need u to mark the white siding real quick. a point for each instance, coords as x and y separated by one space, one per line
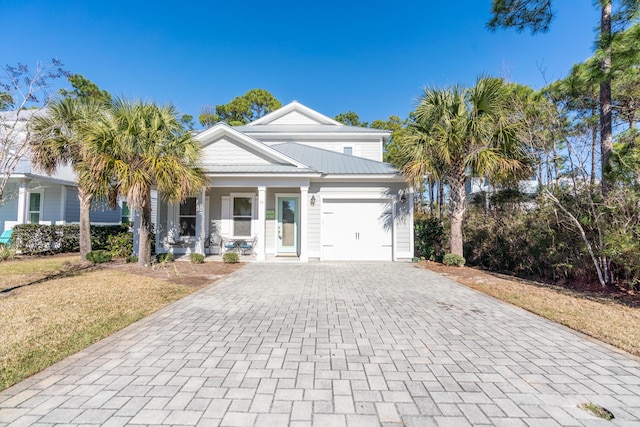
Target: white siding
226 152
294 118
270 224
313 226
402 232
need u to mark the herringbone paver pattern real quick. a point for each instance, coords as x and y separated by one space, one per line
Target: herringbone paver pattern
334 344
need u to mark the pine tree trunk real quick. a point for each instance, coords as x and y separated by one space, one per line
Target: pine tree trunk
432 196
594 150
441 201
85 223
144 231
457 206
606 133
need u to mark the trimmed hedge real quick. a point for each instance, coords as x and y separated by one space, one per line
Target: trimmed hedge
231 258
453 260
36 238
197 258
164 257
98 257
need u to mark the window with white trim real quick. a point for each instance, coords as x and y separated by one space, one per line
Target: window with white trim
35 207
125 213
241 215
187 217
348 150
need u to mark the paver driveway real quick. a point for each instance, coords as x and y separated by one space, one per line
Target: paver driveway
334 344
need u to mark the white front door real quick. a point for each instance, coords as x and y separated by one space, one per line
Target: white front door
287 232
356 230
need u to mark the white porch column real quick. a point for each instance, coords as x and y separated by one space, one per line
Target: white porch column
160 228
201 233
412 233
304 201
23 200
261 225
63 205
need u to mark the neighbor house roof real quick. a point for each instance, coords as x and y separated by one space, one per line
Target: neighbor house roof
331 162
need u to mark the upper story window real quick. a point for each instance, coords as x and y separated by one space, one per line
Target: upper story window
187 217
348 150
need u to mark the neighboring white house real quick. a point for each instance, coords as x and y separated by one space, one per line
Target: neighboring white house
32 196
300 185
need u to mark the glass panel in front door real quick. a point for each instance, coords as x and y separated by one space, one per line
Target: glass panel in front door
287 224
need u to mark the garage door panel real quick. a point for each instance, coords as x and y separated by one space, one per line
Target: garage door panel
356 230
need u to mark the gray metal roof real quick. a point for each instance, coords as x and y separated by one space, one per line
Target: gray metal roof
330 162
307 129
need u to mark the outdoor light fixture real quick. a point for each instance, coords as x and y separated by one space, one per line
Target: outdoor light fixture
313 200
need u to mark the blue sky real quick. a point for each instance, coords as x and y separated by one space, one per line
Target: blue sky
370 57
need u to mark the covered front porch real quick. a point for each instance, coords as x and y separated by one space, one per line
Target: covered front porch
263 221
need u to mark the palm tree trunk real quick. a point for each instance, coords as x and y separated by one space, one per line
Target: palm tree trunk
144 231
606 133
85 223
457 202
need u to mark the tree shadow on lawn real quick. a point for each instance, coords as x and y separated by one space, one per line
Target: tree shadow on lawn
68 270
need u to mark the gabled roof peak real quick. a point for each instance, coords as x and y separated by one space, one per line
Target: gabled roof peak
295 113
221 129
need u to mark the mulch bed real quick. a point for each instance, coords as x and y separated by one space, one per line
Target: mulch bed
615 293
180 272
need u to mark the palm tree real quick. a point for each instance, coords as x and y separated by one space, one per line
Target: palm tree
56 141
137 146
459 132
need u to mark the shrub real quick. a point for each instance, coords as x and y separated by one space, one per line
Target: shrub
429 235
100 234
231 258
36 238
6 253
164 257
132 258
99 256
120 245
453 259
197 258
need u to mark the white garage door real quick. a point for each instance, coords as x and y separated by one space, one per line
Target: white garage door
356 229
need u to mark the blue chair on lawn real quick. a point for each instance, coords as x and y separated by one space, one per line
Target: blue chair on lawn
5 239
